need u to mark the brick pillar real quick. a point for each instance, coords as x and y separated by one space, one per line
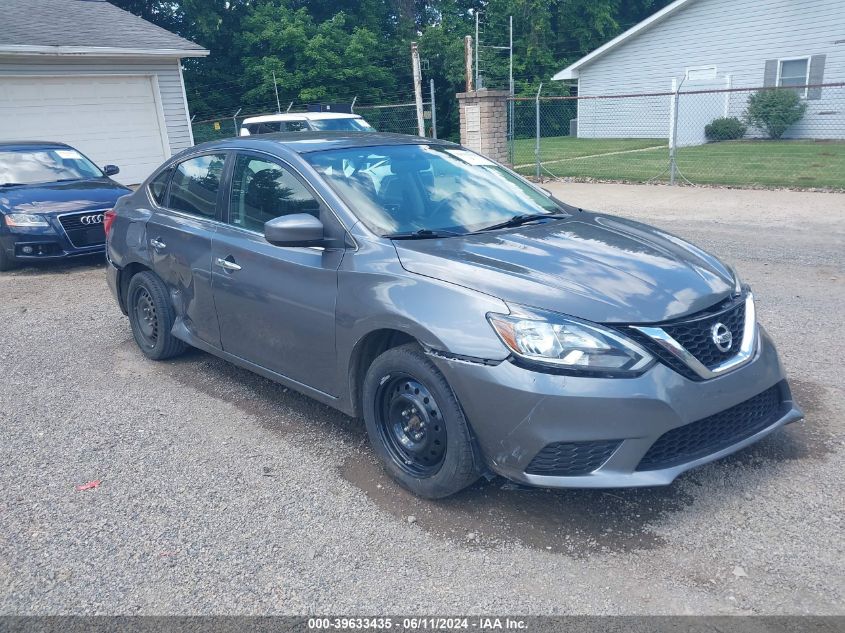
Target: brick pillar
484 122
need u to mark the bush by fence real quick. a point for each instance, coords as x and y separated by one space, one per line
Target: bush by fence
775 110
726 128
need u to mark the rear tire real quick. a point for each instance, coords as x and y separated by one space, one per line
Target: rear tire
151 316
6 262
416 425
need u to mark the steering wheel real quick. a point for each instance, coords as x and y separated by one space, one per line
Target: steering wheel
443 210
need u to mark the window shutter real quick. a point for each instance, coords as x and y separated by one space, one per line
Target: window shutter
816 76
770 76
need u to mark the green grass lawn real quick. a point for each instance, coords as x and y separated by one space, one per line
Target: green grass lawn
741 163
556 147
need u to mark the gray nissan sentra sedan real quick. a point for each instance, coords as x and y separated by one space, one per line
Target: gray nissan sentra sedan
476 323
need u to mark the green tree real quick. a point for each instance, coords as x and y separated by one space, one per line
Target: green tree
313 61
337 49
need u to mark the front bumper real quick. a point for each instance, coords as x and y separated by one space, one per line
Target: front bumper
43 244
515 413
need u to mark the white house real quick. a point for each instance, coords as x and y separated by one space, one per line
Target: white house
91 75
697 45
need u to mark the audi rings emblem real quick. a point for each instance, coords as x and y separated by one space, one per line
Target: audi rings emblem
88 220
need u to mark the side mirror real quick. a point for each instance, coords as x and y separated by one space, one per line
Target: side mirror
111 170
296 229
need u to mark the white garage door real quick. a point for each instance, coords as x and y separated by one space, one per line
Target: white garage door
112 120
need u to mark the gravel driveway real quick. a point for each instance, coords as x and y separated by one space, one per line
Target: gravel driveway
225 493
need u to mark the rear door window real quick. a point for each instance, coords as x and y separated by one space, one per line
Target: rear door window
195 185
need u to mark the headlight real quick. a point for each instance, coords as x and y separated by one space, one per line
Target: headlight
569 345
25 220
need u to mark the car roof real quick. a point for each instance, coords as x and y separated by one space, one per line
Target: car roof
306 142
299 116
32 145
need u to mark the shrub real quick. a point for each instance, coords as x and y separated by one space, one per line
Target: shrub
725 129
775 110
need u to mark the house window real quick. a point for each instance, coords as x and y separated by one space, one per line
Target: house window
794 72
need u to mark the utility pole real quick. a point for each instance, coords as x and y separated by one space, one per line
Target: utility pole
477 85
511 123
537 131
276 88
433 109
468 61
415 61
510 56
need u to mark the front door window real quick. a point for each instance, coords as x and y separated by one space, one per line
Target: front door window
263 190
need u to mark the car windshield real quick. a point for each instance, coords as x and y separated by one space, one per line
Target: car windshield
418 188
44 165
342 125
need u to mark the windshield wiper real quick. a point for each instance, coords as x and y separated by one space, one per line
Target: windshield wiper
519 220
422 234
11 184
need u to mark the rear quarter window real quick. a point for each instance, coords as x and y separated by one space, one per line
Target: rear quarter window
158 187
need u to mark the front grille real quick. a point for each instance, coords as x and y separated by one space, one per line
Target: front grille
662 354
569 459
695 335
81 234
713 433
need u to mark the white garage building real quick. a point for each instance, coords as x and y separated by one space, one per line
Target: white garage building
86 73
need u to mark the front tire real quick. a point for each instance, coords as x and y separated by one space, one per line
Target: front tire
416 425
151 316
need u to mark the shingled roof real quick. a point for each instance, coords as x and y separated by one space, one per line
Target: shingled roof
84 27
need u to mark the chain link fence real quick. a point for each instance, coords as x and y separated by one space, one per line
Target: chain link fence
397 118
763 137
400 118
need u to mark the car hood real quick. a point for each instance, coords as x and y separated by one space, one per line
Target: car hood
596 267
61 197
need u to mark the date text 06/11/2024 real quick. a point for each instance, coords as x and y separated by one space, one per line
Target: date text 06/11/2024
418 623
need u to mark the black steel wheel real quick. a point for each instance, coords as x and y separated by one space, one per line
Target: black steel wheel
411 426
152 316
145 315
416 425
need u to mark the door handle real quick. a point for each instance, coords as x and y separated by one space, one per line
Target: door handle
157 244
227 264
